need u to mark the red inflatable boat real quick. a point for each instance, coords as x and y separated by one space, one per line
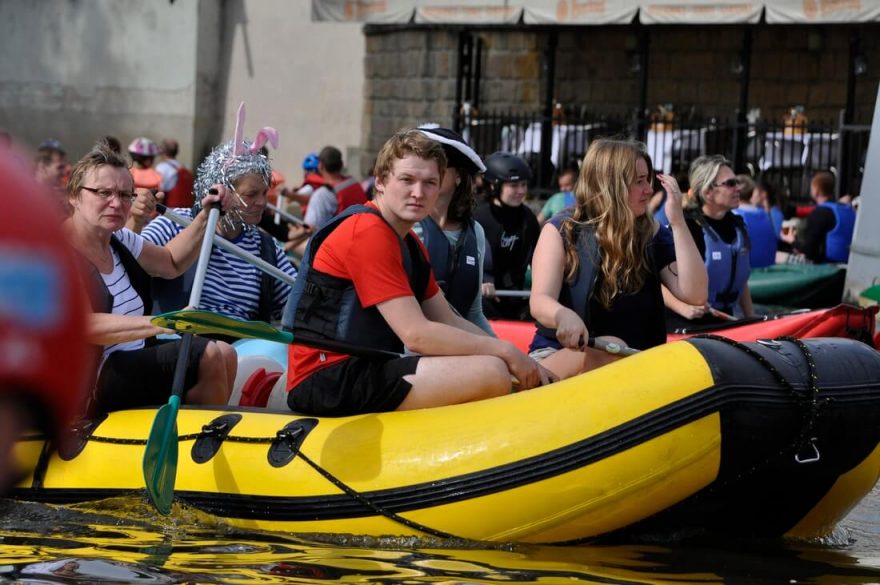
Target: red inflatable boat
840 321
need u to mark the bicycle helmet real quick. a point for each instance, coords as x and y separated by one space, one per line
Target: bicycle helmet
310 162
143 147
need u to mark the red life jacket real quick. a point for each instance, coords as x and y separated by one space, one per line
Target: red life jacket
181 195
348 192
313 179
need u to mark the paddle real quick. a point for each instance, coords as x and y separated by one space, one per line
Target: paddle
722 315
231 248
611 347
285 216
207 323
160 454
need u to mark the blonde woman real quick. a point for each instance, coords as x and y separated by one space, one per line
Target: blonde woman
723 243
597 270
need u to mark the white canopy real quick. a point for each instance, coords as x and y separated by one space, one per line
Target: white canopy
596 12
821 11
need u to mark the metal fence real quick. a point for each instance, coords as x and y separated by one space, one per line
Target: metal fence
784 154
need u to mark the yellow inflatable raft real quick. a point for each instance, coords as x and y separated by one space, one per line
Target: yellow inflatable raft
705 435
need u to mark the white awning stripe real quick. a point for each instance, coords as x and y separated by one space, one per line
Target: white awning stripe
596 12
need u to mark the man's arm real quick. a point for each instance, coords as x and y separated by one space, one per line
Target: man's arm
437 309
432 338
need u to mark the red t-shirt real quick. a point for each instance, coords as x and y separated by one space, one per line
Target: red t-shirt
366 251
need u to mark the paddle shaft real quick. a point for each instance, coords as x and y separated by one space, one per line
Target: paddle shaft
284 215
160 453
195 295
228 246
611 347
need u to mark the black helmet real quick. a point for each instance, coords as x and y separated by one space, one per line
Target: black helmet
504 166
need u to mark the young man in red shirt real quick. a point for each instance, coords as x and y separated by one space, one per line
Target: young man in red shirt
365 281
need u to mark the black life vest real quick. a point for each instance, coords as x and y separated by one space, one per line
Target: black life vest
456 268
325 307
577 294
102 300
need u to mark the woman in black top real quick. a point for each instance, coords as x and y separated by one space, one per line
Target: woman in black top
511 233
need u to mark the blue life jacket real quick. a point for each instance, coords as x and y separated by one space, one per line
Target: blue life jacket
456 267
325 307
838 240
761 236
728 266
777 218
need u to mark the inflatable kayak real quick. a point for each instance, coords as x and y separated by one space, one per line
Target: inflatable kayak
840 321
776 438
808 286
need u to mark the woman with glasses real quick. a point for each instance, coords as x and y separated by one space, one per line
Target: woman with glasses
598 267
723 242
134 368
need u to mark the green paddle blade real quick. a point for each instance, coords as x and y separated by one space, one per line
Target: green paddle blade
206 322
160 456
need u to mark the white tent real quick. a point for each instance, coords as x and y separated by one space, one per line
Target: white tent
863 269
596 12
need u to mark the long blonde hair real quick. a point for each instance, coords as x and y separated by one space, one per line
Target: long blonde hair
601 193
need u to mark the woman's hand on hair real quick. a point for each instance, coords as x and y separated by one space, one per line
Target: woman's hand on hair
673 205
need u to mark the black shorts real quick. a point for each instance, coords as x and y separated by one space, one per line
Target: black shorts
143 377
354 386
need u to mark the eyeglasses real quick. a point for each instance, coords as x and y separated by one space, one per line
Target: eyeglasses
126 197
730 183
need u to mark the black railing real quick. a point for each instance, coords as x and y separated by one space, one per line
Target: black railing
786 155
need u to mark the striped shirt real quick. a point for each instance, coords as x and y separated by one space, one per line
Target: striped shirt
232 285
126 301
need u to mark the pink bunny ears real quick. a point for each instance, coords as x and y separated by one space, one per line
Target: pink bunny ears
266 134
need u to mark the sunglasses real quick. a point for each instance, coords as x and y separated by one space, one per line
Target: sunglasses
730 183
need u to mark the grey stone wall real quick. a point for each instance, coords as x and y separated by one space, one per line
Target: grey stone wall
409 79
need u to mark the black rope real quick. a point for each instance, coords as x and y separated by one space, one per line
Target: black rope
181 438
360 498
811 404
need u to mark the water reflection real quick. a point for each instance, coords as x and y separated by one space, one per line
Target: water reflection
121 541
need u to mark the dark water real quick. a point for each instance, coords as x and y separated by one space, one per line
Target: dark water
122 541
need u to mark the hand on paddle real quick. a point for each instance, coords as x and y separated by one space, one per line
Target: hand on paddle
143 209
219 194
489 291
571 331
692 312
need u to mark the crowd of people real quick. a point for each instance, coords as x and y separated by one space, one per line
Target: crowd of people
398 277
